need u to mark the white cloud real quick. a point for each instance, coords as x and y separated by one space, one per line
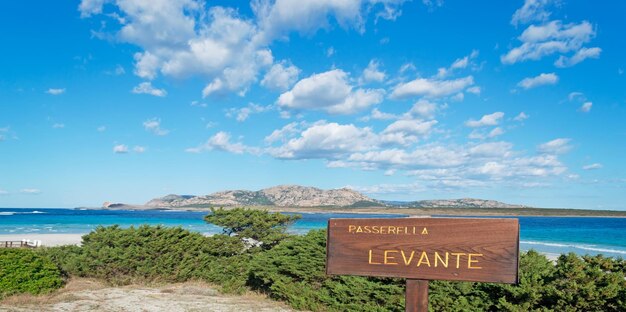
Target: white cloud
407 67
474 90
31 191
586 107
579 56
541 80
593 166
378 115
58 126
460 63
486 120
183 38
280 135
3 192
221 142
497 131
101 128
329 91
432 88
306 16
372 73
54 91
330 52
531 11
326 140
147 88
521 117
550 38
480 134
241 114
491 149
139 149
576 95
281 76
153 125
411 127
120 149
198 104
556 146
3 132
90 7
390 172
119 70
435 165
423 108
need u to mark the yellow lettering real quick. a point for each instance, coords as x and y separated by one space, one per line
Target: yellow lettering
370 258
438 258
422 257
414 231
458 256
387 257
351 228
425 231
382 230
407 262
470 260
392 230
359 229
367 229
376 229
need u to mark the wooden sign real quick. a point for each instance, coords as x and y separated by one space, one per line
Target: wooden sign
422 249
455 249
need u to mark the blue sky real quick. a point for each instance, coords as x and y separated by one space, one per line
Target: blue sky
126 100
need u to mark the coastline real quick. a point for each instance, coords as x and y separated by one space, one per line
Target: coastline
423 212
47 240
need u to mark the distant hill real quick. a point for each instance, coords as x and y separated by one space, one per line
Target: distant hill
302 196
280 196
459 203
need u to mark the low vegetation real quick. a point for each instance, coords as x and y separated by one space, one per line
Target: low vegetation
255 253
26 271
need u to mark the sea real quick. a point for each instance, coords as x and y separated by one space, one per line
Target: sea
549 235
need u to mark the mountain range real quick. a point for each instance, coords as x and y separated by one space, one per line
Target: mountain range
302 196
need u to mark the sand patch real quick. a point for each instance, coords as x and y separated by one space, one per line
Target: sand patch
90 295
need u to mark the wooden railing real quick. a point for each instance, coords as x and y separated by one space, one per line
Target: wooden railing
15 244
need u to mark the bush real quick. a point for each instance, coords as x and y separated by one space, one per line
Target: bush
294 271
260 225
144 254
26 271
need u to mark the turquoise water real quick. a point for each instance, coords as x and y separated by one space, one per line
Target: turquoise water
554 235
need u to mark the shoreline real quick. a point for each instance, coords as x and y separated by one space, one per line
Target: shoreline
413 212
53 240
47 240
429 212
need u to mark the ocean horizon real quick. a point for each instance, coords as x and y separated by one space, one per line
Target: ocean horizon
549 235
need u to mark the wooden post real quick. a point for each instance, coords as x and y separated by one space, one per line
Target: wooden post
416 295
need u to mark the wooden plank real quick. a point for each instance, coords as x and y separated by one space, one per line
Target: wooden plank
456 249
416 298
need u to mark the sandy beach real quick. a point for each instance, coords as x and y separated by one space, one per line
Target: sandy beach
91 295
47 240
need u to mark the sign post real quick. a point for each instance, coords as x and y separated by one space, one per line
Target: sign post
423 249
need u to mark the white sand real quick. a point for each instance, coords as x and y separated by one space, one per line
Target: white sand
46 239
96 297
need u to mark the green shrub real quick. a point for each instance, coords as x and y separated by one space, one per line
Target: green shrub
294 271
26 271
145 253
260 225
